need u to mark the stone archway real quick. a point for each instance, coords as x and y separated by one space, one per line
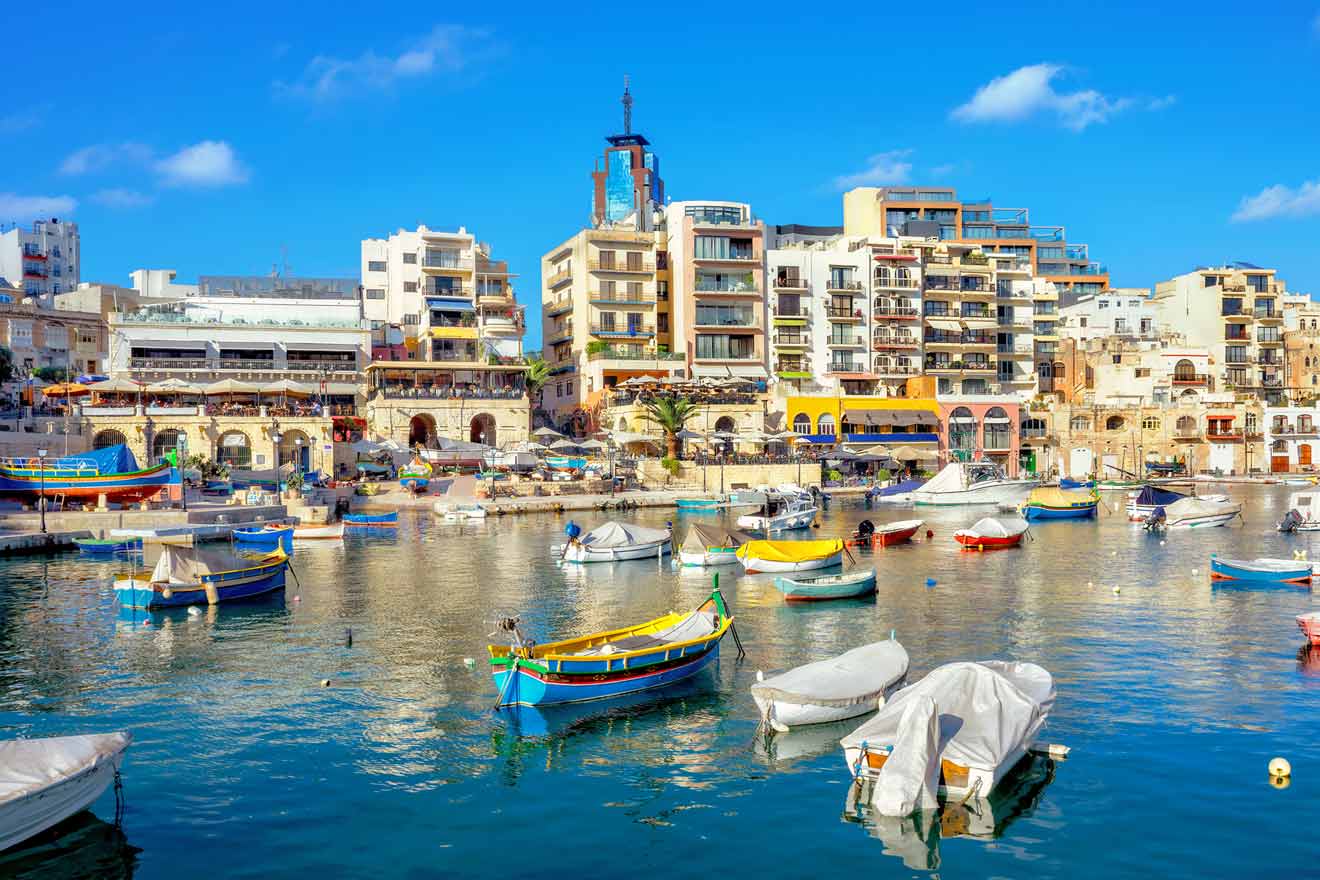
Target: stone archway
164 442
726 423
234 449
421 430
108 437
296 448
482 429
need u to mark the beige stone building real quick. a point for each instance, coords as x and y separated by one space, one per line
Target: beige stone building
76 341
421 402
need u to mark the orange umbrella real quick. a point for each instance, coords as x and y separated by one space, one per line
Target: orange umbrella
66 389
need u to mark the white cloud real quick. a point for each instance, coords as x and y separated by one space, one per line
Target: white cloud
209 163
881 169
1029 91
121 198
446 49
18 208
98 157
1280 201
1161 103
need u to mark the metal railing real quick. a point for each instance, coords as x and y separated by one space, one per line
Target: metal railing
843 285
838 312
622 299
786 282
896 312
616 266
626 355
625 330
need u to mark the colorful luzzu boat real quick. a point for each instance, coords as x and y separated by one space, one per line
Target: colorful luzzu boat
1050 503
187 576
609 664
112 472
415 476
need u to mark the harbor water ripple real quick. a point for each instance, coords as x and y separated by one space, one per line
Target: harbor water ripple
1173 695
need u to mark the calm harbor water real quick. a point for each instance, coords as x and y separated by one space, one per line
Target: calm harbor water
1173 695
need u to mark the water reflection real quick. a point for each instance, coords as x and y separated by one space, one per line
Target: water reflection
81 846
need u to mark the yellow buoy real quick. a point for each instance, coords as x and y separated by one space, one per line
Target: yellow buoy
1280 767
1280 782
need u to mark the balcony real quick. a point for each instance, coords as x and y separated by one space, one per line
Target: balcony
1236 358
627 330
559 307
847 367
887 369
438 263
1190 379
835 285
749 326
835 313
881 341
743 257
846 341
739 290
561 277
1269 339
636 267
560 334
789 340
621 299
889 282
793 314
1224 433
610 353
977 367
1236 316
789 282
901 313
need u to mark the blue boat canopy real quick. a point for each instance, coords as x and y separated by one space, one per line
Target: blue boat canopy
902 487
1151 495
117 459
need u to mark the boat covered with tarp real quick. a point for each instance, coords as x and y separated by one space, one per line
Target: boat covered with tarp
45 781
851 684
1144 502
895 493
608 664
992 533
955 733
972 482
112 472
1193 513
1050 502
780 556
191 576
614 542
711 545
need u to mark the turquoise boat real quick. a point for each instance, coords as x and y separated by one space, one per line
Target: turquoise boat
609 664
187 576
697 503
848 585
106 546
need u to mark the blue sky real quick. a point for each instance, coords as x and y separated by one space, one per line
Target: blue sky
204 141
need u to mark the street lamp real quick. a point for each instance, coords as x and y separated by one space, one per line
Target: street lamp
277 437
41 458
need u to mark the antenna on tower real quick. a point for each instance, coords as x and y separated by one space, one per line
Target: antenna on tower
627 107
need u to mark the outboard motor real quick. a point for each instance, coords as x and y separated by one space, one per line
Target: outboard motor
1291 520
865 529
1155 521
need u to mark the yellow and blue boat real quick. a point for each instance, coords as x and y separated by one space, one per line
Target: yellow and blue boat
1048 502
187 576
608 664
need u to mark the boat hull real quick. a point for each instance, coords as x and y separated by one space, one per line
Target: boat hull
982 542
996 492
586 553
1040 512
265 539
1238 570
27 482
791 714
844 588
533 688
222 587
982 780
319 533
105 547
785 522
697 503
32 813
897 534
415 485
755 565
1203 522
371 521
713 556
1309 624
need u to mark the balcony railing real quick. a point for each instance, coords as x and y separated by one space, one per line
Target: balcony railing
744 289
437 261
857 341
799 339
559 306
626 330
896 369
881 340
622 299
559 278
799 312
896 312
838 312
786 282
623 354
616 266
847 367
1191 379
730 257
834 284
889 281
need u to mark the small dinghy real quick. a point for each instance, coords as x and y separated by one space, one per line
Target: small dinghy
462 512
1261 570
106 546
614 542
956 732
265 538
698 503
1309 624
711 545
372 520
331 532
848 585
992 533
45 781
851 684
773 556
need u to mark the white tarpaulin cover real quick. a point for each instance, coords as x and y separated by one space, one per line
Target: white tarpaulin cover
186 565
860 675
910 778
997 527
617 534
949 479
987 710
33 774
701 538
1193 508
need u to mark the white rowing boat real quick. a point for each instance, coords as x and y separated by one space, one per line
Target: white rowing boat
45 781
331 532
851 684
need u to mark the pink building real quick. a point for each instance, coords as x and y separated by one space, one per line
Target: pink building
981 427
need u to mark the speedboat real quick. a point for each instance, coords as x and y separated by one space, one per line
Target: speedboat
45 781
1193 513
992 533
1261 570
614 542
1142 504
710 545
785 508
781 556
955 733
972 482
897 493
851 684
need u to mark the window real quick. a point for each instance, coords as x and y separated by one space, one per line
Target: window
412 319
634 261
719 247
662 260
825 424
801 424
1080 423
1143 372
375 293
1150 423
1211 281
662 322
1104 303
568 387
375 265
725 347
410 287
607 259
662 291
410 258
1251 423
1081 322
724 315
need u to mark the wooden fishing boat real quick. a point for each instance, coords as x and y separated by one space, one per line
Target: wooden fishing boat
614 542
112 472
709 545
188 576
698 503
608 664
1261 570
1066 483
848 585
992 534
1050 503
268 536
888 534
415 476
45 781
372 520
106 546
784 556
851 684
1309 624
329 532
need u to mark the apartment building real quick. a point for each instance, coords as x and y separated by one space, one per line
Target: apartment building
938 212
43 259
1236 312
42 337
1301 353
1116 312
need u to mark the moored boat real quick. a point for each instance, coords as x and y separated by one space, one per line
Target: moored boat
848 585
1193 513
851 684
608 664
265 537
1047 502
989 715
710 545
614 542
188 576
889 534
462 512
45 781
698 503
372 520
112 472
1303 513
780 556
106 546
1066 483
897 493
991 533
785 508
328 532
1309 624
415 476
974 482
1260 570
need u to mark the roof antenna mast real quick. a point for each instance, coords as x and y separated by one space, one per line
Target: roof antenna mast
627 107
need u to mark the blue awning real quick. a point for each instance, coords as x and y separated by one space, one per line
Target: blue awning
444 302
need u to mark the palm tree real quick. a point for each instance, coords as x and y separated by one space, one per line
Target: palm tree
538 373
672 415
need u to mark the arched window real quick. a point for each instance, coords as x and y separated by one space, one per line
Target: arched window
998 428
825 424
108 438
1150 423
295 452
725 424
234 449
1308 363
1114 423
1080 423
882 276
1059 370
801 424
904 278
482 430
1279 446
1184 371
1186 425
962 430
163 442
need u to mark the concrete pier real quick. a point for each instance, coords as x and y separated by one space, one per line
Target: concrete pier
20 543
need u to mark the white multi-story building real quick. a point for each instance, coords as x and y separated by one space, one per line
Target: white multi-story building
160 284
1292 436
428 289
1116 312
43 260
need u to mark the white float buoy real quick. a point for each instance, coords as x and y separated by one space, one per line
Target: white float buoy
1162 543
1195 571
1117 590
469 662
1090 584
1280 767
193 611
325 682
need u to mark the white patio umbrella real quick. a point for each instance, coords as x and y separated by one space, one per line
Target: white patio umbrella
564 445
288 387
117 385
173 385
546 432
685 434
230 386
592 444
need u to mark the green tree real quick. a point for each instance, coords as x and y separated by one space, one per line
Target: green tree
672 415
51 374
538 373
6 364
